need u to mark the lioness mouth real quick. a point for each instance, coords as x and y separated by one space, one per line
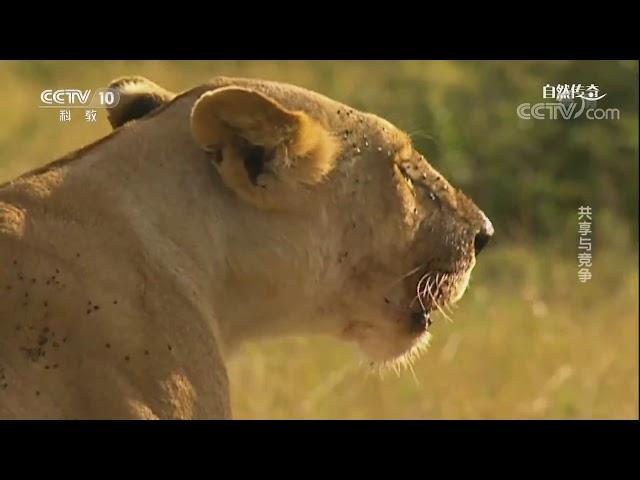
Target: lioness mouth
432 293
420 321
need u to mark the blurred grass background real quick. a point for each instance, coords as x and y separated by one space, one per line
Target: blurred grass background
528 340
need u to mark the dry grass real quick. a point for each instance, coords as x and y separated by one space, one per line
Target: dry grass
528 341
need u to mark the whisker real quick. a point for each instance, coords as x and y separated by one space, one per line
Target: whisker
419 297
445 304
427 287
408 274
439 307
447 307
422 134
419 293
413 374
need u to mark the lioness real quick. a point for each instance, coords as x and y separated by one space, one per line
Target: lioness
238 209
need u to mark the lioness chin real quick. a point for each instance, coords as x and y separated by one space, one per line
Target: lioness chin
238 209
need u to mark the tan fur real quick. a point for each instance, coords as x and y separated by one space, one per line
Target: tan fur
131 269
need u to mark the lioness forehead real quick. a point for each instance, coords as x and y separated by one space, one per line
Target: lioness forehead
329 111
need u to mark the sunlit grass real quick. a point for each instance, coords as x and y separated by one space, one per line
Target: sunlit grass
522 345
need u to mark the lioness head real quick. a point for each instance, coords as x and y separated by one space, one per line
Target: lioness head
341 226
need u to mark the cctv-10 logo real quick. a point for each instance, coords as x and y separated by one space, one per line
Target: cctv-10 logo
72 97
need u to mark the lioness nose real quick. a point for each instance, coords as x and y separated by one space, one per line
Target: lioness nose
484 235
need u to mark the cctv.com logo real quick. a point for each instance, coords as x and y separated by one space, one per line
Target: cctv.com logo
567 106
562 111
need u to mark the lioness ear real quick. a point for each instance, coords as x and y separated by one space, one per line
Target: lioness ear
138 97
261 149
